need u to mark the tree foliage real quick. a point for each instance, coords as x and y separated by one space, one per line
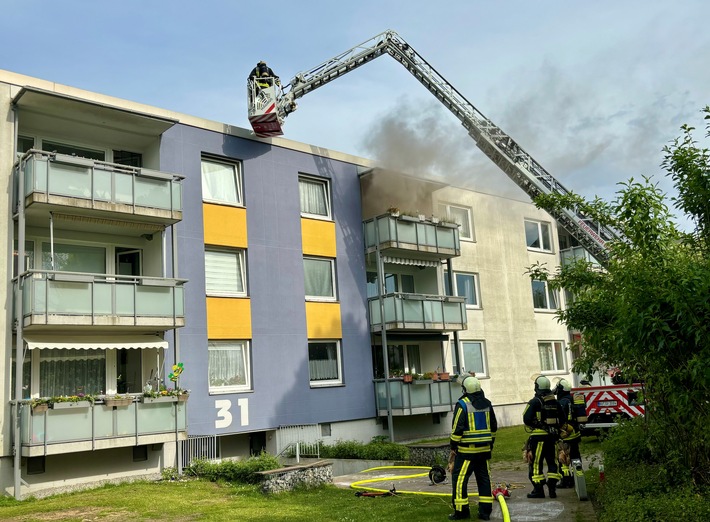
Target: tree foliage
648 310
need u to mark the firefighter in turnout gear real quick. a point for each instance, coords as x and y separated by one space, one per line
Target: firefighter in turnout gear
263 76
543 416
473 433
572 434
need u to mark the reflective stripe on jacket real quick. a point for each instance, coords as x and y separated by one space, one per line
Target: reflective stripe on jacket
477 436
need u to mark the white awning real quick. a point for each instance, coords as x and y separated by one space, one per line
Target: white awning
107 342
411 262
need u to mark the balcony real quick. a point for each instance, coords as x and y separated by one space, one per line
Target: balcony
98 426
88 185
412 238
77 299
416 399
574 254
418 312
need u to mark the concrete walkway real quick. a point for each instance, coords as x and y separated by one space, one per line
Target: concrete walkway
566 507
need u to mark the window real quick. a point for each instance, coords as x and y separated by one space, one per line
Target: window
73 150
221 182
74 258
400 358
315 200
393 283
544 298
461 216
71 372
324 363
537 236
224 273
466 286
125 157
24 143
229 366
319 277
551 356
474 358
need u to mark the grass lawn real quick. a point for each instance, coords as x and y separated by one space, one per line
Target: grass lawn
192 500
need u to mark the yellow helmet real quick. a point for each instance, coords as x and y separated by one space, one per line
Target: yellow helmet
471 384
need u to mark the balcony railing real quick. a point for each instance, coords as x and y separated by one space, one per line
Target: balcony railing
63 179
407 312
430 240
98 426
574 254
71 298
414 398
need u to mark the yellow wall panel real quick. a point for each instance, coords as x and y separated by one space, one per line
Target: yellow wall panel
225 225
228 318
323 321
318 237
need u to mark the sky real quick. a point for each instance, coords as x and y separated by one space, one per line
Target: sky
592 90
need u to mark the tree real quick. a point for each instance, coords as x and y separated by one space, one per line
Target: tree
648 310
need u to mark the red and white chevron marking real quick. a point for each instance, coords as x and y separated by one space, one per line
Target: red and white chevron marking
611 401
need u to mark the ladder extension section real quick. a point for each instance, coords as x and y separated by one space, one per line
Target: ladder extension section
527 173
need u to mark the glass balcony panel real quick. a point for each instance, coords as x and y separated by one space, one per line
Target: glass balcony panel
445 237
179 301
454 312
411 311
153 300
434 312
385 231
69 298
68 425
153 193
102 185
103 298
70 180
407 232
124 188
392 309
375 317
125 299
177 196
420 397
426 234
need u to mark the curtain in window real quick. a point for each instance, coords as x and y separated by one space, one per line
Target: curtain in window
223 273
71 372
466 287
227 364
547 362
323 361
313 197
219 182
318 275
473 357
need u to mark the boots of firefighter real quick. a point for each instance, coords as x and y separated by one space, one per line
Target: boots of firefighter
464 514
552 487
566 482
537 492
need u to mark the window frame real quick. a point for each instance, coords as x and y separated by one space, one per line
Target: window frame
245 346
445 210
326 193
238 180
241 255
454 291
550 294
552 344
339 363
484 357
321 298
540 236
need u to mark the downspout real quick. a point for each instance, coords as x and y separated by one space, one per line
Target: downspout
19 306
380 297
176 347
450 277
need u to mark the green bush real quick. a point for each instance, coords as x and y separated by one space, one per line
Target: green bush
627 444
239 471
377 449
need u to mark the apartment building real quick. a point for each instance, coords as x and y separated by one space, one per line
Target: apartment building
273 271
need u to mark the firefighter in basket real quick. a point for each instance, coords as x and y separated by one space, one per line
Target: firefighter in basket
262 76
543 418
473 433
570 435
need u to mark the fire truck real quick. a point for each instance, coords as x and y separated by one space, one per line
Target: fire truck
605 405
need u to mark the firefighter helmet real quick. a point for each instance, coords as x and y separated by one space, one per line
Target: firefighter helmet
470 384
563 385
542 383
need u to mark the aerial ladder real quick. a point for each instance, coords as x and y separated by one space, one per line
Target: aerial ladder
268 109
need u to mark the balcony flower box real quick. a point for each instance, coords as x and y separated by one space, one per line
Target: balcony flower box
110 402
407 378
443 376
161 398
40 408
65 405
183 397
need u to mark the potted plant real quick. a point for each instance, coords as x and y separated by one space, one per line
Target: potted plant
395 374
443 375
39 405
116 401
393 211
80 400
423 378
407 378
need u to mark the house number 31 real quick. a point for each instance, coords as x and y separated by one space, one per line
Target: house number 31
224 415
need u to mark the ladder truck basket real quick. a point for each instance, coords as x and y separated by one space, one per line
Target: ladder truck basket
263 114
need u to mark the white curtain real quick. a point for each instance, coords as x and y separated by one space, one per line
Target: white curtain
323 361
318 276
227 364
71 372
313 198
219 182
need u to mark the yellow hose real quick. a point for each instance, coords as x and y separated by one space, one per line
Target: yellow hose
503 507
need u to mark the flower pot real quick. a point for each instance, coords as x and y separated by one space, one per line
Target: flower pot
183 397
40 408
444 376
153 400
407 379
